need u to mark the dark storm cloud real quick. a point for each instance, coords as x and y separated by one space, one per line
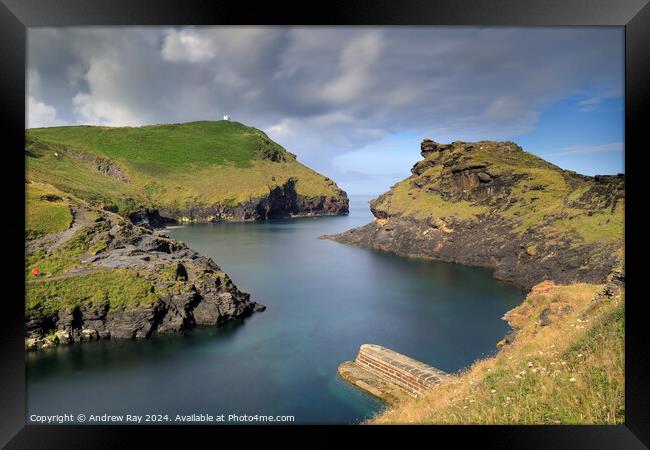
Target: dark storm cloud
321 91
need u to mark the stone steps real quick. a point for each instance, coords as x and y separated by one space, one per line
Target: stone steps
389 375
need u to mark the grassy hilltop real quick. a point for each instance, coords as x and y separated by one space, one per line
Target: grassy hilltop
175 166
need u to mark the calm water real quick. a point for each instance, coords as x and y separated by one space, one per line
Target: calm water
324 300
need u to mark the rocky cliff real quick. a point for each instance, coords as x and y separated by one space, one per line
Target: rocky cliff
104 277
491 204
280 201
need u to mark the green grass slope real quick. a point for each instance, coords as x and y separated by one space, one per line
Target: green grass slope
202 163
46 211
565 366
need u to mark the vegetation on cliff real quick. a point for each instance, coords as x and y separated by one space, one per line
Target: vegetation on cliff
115 288
471 180
565 365
180 168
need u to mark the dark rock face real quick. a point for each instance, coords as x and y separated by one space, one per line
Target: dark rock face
272 154
101 164
149 218
192 290
491 238
281 201
488 244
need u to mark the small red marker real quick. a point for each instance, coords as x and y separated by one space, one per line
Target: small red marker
35 271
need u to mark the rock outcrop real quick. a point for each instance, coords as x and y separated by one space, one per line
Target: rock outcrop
185 288
491 204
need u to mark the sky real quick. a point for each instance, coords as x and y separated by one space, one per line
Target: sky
353 103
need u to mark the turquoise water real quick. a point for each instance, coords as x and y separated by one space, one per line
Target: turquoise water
324 300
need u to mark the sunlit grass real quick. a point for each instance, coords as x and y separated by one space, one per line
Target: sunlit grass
46 211
196 164
548 207
568 372
119 288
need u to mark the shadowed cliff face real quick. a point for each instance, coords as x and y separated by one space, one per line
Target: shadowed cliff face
281 201
491 204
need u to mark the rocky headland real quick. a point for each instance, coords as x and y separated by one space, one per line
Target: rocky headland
493 205
104 277
193 172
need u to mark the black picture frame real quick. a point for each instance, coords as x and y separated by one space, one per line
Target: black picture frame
16 15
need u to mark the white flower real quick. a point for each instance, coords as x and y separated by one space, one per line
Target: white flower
572 379
493 391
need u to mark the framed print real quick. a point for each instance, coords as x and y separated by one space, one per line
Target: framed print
358 218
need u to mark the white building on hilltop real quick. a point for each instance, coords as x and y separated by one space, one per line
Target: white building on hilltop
226 117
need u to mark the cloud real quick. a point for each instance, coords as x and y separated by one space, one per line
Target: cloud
200 45
324 91
356 63
589 149
40 114
33 82
598 96
187 46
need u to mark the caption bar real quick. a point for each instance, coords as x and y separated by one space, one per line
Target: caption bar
157 418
